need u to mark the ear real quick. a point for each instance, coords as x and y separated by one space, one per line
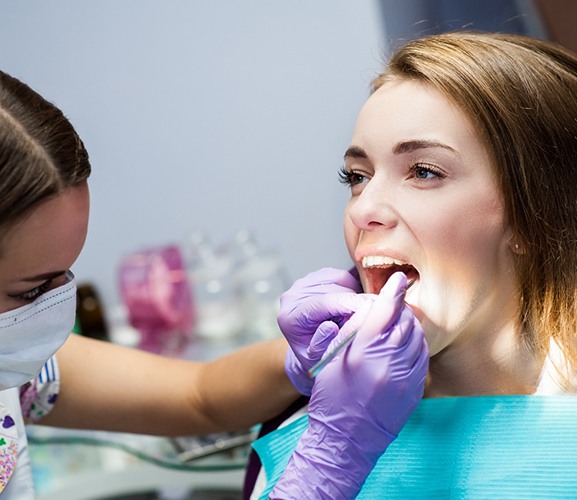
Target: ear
514 244
518 249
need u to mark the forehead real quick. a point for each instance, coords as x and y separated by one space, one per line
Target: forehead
48 239
404 109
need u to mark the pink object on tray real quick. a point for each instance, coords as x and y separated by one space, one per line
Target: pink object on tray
155 290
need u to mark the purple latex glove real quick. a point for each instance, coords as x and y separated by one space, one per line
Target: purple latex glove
360 400
311 312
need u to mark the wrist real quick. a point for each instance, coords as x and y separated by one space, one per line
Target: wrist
297 376
329 464
359 446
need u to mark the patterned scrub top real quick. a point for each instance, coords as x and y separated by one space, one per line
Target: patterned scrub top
19 406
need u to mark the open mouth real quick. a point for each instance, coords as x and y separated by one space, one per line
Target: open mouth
378 269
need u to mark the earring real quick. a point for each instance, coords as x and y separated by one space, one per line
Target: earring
518 249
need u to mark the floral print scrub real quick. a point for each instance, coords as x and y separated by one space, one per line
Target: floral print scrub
36 399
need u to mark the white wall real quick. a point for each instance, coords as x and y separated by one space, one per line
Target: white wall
213 115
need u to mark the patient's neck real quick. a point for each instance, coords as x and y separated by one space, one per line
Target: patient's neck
506 366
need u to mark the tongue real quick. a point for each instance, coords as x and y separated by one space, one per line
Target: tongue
378 276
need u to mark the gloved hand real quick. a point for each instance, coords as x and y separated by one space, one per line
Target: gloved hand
311 312
360 400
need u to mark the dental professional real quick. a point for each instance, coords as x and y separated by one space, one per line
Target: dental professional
52 378
462 172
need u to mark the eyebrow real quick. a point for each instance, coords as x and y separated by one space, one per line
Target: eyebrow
410 146
44 277
355 152
400 148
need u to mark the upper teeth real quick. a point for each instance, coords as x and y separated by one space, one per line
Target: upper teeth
381 260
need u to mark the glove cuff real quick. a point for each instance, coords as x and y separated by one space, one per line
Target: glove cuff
330 465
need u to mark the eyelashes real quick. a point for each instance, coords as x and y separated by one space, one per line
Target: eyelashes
424 171
344 176
33 294
419 171
349 178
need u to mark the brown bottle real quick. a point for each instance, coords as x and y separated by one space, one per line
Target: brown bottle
90 313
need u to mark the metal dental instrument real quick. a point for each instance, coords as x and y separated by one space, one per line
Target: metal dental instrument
313 372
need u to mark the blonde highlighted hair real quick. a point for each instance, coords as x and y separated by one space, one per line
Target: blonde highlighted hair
521 95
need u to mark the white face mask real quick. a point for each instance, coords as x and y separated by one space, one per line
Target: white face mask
31 334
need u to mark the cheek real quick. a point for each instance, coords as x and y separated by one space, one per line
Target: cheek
352 236
351 233
464 260
467 229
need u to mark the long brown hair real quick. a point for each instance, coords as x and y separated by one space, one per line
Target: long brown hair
521 95
40 152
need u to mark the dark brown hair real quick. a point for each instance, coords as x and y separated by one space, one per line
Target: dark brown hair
40 152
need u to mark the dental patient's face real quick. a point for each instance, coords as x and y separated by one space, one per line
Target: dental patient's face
424 201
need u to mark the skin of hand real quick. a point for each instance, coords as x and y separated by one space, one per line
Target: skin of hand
109 387
360 400
311 313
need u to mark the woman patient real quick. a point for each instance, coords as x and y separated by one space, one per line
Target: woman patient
462 171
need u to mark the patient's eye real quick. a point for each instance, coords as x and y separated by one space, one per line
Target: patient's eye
350 178
426 171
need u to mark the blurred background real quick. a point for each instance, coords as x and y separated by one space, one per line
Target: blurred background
217 128
220 116
213 116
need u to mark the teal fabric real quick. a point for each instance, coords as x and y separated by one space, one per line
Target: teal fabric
482 447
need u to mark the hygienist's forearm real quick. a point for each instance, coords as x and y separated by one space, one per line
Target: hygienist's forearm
106 386
248 386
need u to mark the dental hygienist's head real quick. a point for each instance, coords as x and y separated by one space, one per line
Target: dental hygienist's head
462 171
44 205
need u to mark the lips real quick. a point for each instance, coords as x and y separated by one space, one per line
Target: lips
379 268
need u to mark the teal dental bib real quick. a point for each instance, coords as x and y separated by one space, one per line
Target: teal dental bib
505 447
